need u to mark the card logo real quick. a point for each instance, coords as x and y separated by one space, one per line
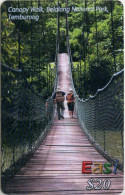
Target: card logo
99 168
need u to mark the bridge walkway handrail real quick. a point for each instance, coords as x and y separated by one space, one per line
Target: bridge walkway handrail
101 116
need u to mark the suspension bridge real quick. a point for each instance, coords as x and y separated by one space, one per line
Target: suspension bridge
56 166
44 155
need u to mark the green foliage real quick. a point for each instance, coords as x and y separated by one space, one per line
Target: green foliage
96 41
30 45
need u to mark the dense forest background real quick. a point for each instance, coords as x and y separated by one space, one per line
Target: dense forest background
95 37
30 45
96 41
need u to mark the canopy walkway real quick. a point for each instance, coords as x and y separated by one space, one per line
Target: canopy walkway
44 155
56 166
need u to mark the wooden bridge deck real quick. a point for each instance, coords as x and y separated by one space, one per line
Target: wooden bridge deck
56 167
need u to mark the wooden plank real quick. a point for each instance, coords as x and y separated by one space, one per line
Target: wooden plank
58 186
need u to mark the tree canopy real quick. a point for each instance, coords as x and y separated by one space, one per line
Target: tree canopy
95 34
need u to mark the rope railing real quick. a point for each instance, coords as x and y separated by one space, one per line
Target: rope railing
28 118
27 114
101 116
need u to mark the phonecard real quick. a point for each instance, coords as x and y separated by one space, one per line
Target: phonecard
62 97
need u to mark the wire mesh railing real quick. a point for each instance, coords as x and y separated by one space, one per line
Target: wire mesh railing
101 116
26 119
27 115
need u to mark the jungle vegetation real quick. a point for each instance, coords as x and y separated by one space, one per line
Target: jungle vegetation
96 42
